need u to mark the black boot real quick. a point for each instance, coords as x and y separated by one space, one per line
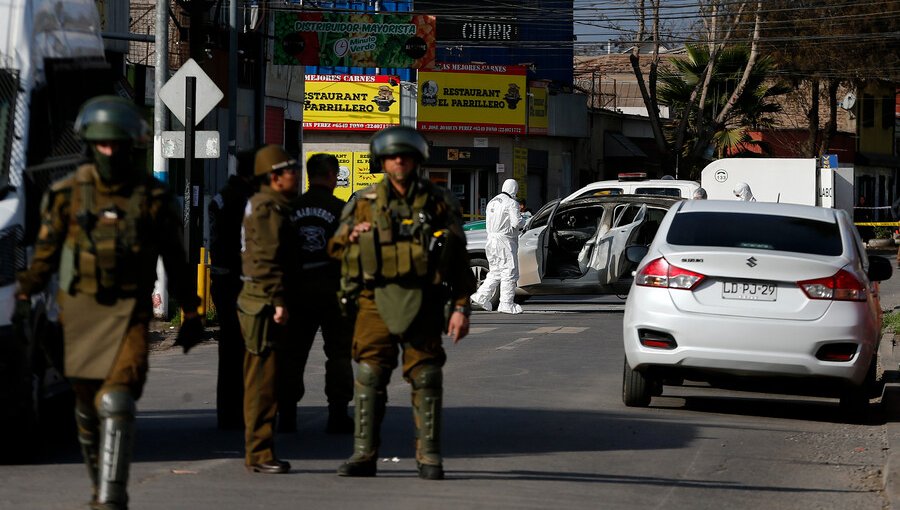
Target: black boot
287 419
338 421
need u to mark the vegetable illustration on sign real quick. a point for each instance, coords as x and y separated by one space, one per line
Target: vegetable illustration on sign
354 40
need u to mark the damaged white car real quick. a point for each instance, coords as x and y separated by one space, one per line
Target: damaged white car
576 247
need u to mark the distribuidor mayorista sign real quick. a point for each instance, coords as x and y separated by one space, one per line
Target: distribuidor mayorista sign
354 39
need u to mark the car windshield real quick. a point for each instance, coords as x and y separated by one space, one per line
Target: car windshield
757 231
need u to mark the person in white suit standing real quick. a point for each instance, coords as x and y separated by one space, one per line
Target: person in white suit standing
503 222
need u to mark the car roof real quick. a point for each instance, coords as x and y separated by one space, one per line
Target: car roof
769 208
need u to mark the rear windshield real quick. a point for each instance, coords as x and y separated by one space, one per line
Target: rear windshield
602 192
668 192
757 231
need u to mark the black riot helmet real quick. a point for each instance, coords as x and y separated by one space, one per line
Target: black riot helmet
398 140
109 118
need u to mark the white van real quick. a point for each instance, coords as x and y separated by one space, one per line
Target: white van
636 183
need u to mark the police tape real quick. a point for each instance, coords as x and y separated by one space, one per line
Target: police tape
877 223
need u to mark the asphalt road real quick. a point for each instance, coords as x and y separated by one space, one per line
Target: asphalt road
533 419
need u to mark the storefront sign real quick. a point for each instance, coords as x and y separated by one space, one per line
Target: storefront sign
520 170
473 98
353 173
351 102
354 39
478 29
537 110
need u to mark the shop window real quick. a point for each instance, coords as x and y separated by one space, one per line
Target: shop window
868 110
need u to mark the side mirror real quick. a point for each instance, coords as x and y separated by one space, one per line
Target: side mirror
880 268
636 253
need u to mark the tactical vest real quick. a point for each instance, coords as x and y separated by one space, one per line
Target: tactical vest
102 250
397 246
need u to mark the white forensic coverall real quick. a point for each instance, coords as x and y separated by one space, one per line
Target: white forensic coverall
742 192
502 223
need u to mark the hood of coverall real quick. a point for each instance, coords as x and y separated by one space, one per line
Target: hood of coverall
742 192
510 187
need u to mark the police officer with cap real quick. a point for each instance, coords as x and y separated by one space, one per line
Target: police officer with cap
103 228
403 257
267 255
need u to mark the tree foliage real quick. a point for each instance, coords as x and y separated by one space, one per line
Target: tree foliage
822 45
752 107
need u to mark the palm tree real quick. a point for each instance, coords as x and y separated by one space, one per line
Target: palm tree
752 110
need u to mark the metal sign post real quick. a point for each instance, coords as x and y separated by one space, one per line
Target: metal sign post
191 95
193 178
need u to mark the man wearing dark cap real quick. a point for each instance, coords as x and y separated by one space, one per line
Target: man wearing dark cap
266 254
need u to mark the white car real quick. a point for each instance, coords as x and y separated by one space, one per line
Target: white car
754 296
577 247
636 183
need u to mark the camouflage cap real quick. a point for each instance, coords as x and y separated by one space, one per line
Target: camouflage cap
272 158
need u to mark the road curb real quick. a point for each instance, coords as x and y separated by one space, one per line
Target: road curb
890 403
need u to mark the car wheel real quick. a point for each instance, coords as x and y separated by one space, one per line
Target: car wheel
855 400
480 269
637 389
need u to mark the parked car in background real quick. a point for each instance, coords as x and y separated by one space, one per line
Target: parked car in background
577 247
636 183
755 296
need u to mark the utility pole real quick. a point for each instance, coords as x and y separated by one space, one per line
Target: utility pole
160 164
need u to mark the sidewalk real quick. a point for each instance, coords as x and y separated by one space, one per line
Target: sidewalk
890 400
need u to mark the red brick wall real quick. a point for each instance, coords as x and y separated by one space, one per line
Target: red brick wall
274 132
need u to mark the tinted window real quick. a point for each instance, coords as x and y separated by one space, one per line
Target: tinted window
758 231
668 192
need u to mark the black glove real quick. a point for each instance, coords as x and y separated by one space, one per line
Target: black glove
190 333
21 317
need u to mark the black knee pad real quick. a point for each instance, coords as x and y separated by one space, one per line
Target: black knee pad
372 375
428 377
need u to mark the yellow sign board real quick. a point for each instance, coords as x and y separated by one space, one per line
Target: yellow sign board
353 173
350 102
473 98
537 110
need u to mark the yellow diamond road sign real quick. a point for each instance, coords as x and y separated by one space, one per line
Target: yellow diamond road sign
207 97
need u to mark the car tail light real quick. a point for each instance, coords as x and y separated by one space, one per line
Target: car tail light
837 352
843 286
659 273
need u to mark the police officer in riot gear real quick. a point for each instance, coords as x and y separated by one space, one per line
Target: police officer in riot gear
403 259
315 216
103 228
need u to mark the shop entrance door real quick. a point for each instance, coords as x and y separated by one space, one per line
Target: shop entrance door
461 183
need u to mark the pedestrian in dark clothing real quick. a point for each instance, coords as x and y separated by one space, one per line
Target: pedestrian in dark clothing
226 213
312 295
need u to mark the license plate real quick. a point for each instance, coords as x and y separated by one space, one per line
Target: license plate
749 291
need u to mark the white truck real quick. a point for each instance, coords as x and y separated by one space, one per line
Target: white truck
51 60
789 180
